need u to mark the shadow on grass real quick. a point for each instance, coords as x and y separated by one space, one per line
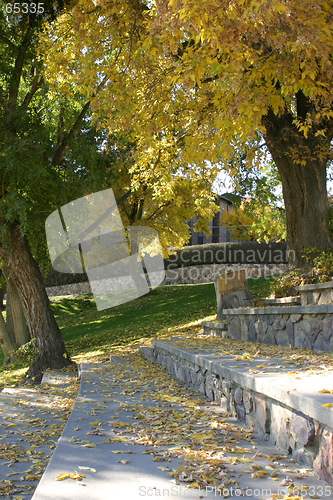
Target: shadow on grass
88 332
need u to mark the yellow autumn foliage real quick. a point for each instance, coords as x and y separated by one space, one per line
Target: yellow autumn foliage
252 220
194 81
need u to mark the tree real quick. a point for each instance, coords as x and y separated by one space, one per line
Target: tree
32 176
264 67
220 76
254 220
44 131
106 42
258 211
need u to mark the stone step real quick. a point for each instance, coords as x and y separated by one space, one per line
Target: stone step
280 403
215 328
282 301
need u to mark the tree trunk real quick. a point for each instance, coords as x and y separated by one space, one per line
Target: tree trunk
25 274
6 342
302 165
2 294
15 319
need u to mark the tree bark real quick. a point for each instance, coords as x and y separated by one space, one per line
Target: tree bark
2 294
301 163
6 341
25 274
15 319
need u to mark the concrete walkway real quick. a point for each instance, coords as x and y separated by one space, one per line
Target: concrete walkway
31 421
134 432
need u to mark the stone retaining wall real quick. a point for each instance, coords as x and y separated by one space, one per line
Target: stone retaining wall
317 293
308 327
184 276
306 438
207 273
72 289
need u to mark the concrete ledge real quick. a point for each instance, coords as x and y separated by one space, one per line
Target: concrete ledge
311 309
216 324
288 412
315 287
277 386
282 301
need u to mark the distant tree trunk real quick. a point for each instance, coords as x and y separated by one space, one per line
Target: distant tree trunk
6 341
2 294
15 319
216 228
302 166
25 274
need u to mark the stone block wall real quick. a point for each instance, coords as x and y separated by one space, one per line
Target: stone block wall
306 439
296 326
318 293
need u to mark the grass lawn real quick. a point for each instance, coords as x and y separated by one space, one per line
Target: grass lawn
90 334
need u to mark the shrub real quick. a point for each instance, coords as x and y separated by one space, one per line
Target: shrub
319 269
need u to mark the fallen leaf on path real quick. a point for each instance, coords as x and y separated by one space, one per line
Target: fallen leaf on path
85 467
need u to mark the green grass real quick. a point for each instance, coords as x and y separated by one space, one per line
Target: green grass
161 311
261 287
90 334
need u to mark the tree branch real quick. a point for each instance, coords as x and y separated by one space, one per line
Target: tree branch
59 152
102 217
8 42
155 214
36 84
17 72
2 99
303 105
57 157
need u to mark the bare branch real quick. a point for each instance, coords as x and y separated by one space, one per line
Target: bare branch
61 126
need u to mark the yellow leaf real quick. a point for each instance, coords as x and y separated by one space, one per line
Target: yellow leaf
325 391
327 405
84 467
62 476
244 460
